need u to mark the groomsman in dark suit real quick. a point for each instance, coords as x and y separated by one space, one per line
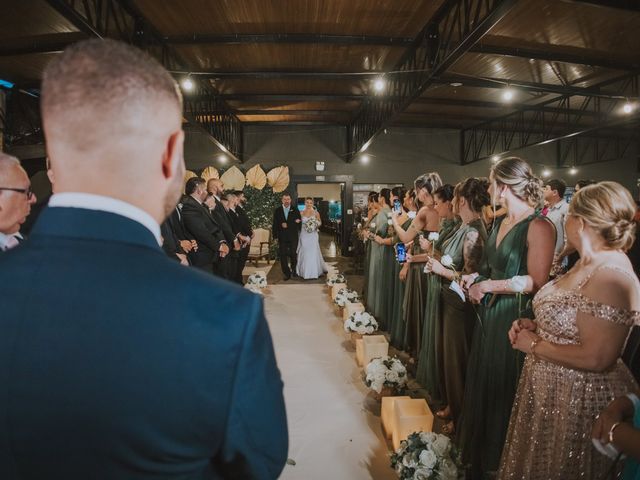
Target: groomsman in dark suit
116 362
16 199
200 225
226 268
287 224
245 230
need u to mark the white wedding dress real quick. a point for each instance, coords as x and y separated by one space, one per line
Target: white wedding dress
310 262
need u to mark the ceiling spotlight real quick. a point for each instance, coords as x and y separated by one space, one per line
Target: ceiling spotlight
364 158
223 158
573 171
495 158
187 84
628 107
379 84
546 172
507 95
456 84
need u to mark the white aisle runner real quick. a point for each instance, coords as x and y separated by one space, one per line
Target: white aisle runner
333 433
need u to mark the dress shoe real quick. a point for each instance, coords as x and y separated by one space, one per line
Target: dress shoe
287 277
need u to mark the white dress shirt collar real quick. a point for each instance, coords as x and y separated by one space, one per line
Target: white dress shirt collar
4 239
101 203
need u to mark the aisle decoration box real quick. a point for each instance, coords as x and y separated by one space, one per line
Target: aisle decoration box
335 289
360 352
351 308
374 346
410 415
387 414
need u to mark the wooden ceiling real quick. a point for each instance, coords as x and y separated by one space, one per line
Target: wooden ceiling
313 61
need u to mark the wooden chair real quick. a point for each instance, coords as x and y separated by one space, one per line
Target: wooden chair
260 247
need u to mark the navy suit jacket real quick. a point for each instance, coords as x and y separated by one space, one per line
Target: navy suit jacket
118 363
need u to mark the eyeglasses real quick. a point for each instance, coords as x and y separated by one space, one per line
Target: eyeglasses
26 191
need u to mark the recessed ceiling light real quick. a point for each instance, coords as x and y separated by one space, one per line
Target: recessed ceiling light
379 85
187 84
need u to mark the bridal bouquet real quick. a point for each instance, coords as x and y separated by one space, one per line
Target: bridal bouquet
385 372
427 456
360 322
346 296
257 280
311 225
337 278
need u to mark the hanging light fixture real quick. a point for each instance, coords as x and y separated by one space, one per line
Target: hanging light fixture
573 171
507 94
187 84
379 85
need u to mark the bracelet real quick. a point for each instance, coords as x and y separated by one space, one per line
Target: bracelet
533 346
613 427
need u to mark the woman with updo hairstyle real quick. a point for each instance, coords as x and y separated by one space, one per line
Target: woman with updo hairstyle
573 367
456 319
430 344
516 263
378 231
426 221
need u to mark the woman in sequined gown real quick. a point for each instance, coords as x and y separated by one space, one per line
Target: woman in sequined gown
429 358
521 247
426 221
573 367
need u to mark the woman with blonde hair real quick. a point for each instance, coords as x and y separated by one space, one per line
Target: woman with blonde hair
573 367
516 263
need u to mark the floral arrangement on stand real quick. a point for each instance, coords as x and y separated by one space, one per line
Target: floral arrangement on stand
386 373
336 278
427 456
346 296
257 281
361 323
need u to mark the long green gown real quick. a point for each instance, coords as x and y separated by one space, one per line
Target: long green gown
458 320
494 366
367 259
375 298
427 372
396 319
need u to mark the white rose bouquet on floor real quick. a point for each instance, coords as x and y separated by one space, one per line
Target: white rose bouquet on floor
385 372
337 278
345 296
257 280
311 225
427 456
360 322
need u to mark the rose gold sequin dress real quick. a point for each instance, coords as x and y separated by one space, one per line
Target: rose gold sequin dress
549 435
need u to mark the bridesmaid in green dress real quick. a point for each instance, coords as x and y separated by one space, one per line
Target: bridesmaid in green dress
465 248
377 290
426 221
516 263
429 356
384 283
372 211
391 268
397 323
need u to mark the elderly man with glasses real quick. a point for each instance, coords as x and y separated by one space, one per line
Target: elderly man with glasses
16 199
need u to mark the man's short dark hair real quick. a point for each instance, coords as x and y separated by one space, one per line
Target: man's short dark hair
584 183
192 185
557 185
237 193
285 194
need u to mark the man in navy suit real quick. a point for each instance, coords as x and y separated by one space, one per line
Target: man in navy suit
286 227
115 361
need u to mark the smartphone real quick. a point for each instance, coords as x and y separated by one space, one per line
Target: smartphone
401 253
397 206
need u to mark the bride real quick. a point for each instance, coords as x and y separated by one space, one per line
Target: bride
310 261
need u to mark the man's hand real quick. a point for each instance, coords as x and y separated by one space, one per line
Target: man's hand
297 220
195 245
183 259
284 225
236 245
224 250
186 245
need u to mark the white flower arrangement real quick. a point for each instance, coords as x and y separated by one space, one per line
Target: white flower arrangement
518 283
427 456
257 280
253 289
345 296
389 222
446 261
360 322
433 237
311 225
385 372
372 225
337 278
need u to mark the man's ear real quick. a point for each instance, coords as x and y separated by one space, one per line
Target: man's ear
173 157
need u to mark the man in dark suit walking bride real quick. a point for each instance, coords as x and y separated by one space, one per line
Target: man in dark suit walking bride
286 229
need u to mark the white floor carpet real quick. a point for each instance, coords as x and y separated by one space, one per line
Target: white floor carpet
334 424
